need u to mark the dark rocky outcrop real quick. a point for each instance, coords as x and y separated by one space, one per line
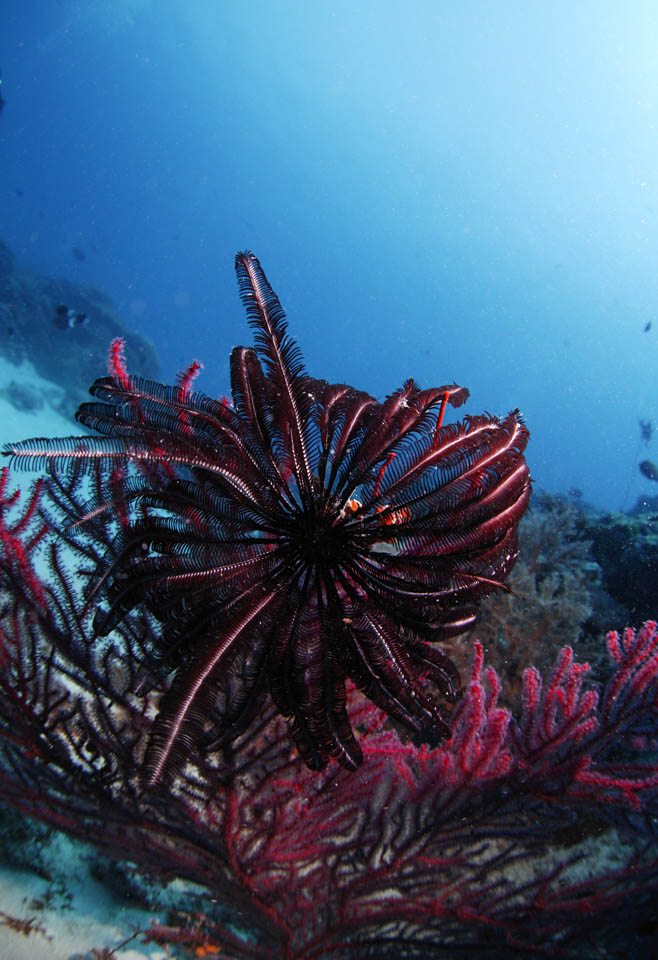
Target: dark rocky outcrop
71 358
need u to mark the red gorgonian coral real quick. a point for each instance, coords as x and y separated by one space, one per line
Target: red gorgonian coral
491 840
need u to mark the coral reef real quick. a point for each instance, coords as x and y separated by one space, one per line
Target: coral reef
551 594
494 840
527 831
626 547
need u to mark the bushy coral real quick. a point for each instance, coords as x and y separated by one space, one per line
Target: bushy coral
626 547
550 598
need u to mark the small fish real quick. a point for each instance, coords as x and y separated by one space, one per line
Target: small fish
78 253
67 319
647 326
649 469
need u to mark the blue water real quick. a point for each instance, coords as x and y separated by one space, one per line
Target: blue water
435 190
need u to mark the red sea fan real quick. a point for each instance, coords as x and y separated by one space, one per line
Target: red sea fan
491 841
300 536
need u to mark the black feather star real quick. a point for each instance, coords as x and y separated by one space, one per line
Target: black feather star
301 535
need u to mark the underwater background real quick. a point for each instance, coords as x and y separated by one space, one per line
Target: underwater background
442 191
434 190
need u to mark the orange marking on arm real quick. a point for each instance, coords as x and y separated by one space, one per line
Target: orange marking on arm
442 411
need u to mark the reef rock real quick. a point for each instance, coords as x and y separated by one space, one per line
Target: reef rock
70 357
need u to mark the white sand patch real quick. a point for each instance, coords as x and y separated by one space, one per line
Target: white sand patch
89 919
